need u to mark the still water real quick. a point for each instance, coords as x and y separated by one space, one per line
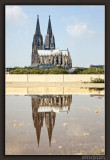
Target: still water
55 125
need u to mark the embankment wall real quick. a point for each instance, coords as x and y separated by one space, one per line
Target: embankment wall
52 77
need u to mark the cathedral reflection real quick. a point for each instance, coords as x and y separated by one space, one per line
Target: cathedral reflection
45 107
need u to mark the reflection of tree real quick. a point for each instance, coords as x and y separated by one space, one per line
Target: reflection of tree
97 95
98 90
46 107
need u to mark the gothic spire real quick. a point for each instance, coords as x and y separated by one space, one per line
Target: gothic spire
49 39
37 43
38 25
49 30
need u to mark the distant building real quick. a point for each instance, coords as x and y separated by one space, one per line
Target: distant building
47 54
96 66
71 70
42 66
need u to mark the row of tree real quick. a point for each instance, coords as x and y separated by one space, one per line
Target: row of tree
89 71
38 71
57 71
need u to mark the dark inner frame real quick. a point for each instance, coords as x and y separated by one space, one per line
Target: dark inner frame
2 71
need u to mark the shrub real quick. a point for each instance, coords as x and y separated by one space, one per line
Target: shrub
27 71
97 80
96 89
58 71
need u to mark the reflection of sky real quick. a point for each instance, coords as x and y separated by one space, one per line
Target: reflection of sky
54 109
80 130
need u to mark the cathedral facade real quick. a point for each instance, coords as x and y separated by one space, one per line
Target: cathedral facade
47 53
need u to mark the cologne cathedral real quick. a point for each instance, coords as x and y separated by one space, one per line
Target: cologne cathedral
45 107
47 53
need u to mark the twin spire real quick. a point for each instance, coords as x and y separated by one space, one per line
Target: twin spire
49 30
37 26
49 38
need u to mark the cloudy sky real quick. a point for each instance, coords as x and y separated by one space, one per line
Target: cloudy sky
79 28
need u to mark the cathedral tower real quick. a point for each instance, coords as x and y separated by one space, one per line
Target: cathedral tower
37 43
49 38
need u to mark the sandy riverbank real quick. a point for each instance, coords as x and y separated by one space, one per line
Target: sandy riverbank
54 84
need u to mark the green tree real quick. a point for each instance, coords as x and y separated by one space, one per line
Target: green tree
92 71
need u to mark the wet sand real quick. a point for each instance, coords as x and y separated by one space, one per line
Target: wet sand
54 88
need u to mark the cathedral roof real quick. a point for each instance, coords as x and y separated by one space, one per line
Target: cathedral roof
53 52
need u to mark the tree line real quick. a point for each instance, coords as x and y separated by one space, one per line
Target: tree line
57 71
